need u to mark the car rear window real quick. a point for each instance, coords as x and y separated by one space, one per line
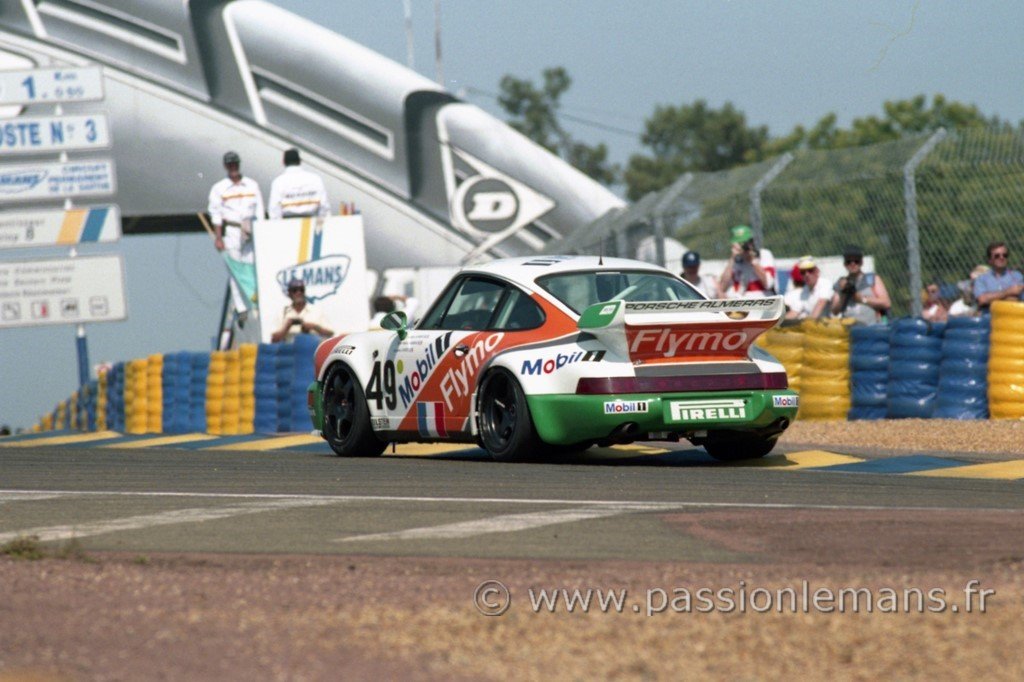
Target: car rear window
580 290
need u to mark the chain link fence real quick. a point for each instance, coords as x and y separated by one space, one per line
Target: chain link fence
924 207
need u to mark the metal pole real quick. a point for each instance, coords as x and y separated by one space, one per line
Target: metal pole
437 42
756 219
83 356
913 228
410 55
660 214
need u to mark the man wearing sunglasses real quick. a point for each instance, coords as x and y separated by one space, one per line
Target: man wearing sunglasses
1000 283
860 295
300 317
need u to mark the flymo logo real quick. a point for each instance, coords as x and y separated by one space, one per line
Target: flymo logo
494 203
14 183
707 410
785 401
626 407
322 277
670 342
458 381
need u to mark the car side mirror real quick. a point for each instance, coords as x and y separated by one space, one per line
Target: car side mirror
397 321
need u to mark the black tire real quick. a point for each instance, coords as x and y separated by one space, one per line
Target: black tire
731 448
506 428
346 416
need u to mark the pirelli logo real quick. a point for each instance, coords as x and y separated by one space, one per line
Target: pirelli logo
707 410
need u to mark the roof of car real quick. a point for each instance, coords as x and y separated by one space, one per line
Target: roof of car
529 268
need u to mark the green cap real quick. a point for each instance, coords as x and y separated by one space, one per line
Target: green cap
741 234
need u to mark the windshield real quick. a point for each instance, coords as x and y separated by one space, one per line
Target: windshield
580 290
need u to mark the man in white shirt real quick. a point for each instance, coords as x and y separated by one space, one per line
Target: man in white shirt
297 192
810 299
234 204
300 317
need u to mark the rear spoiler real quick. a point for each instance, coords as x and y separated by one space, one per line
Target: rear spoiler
681 331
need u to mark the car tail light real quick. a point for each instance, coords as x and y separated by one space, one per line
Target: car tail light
716 382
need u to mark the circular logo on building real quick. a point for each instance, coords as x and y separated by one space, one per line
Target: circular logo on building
486 204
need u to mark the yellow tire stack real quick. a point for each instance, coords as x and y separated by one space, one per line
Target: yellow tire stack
215 392
247 388
136 413
61 421
825 373
1006 361
232 393
101 402
154 394
786 344
73 411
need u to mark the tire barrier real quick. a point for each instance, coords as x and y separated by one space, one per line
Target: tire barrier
825 373
1006 361
963 370
197 392
915 350
292 411
265 388
869 371
231 403
215 392
786 344
247 388
154 394
135 395
115 397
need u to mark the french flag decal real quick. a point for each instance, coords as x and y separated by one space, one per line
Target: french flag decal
431 419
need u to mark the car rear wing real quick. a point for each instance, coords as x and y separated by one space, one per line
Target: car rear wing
681 331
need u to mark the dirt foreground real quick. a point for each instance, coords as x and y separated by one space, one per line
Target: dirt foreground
942 435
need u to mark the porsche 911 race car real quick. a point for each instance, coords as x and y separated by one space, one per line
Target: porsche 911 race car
530 356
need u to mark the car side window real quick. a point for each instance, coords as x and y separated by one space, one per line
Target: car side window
470 306
518 312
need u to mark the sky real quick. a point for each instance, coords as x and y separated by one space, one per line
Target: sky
782 63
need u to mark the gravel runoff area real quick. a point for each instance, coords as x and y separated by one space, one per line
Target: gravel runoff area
941 435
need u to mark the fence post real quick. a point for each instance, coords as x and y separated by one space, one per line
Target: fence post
660 211
910 208
756 220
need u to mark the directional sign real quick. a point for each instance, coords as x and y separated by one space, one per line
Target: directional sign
56 227
50 86
66 291
54 134
32 182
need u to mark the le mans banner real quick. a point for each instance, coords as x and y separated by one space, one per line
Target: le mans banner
329 256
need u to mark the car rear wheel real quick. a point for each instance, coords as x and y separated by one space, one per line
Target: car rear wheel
347 418
731 448
506 428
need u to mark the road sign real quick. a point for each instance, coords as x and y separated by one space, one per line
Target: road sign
51 86
54 134
65 291
32 182
58 227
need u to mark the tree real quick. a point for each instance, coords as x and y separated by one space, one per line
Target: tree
535 114
692 137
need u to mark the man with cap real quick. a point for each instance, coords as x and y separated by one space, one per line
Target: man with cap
234 204
705 284
750 272
860 295
300 316
809 300
297 192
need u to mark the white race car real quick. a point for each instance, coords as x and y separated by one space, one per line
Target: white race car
529 356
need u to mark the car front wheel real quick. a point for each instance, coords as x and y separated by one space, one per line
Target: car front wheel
506 428
347 418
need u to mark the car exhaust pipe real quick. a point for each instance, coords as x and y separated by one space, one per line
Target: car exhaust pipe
623 433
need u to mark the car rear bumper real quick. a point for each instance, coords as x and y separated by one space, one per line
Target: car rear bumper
564 419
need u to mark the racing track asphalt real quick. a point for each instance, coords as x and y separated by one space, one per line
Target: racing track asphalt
460 504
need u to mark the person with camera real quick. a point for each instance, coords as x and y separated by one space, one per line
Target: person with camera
750 272
300 317
860 295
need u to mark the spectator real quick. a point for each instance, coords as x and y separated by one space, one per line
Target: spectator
1000 283
860 295
705 284
234 204
967 305
810 299
936 307
750 273
300 317
382 305
297 192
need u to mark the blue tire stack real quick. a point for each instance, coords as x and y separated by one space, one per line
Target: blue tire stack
176 377
963 372
199 368
265 388
285 373
915 350
302 374
869 372
115 398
